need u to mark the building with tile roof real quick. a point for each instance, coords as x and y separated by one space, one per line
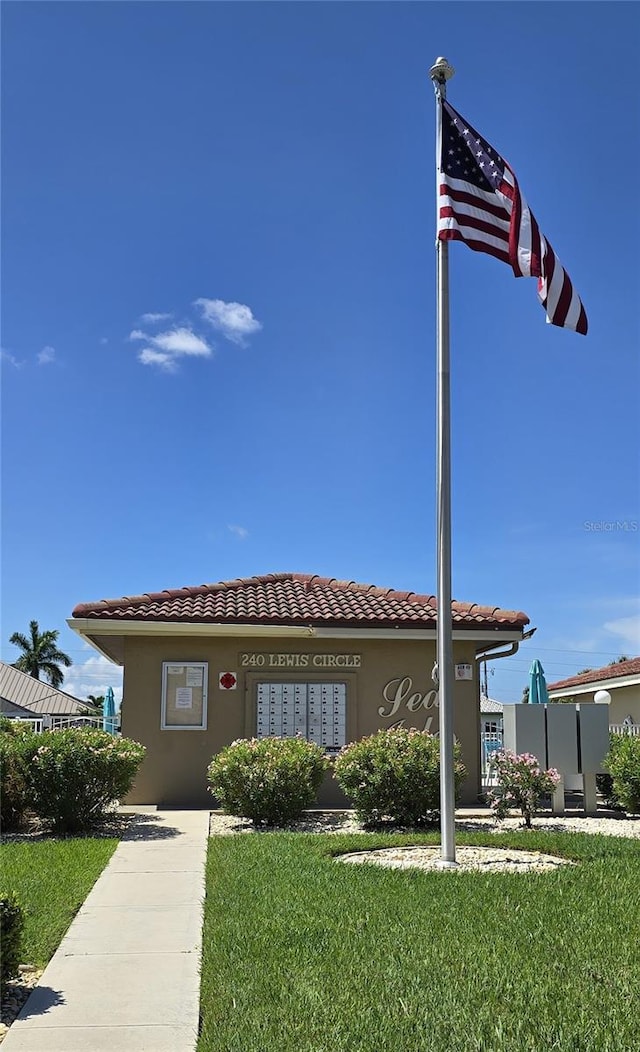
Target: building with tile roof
621 681
284 654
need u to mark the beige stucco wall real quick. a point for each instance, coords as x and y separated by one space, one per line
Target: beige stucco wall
625 701
174 771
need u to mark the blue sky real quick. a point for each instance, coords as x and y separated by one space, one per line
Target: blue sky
261 176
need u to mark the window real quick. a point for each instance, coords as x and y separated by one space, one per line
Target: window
316 711
184 695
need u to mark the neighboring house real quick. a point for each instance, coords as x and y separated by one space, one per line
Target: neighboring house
621 681
492 734
490 715
284 654
17 712
18 690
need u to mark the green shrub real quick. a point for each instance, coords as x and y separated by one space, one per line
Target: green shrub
395 775
75 774
6 725
623 764
14 752
604 785
269 780
11 924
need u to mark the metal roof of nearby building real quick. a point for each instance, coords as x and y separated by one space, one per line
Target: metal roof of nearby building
488 705
36 695
9 708
290 599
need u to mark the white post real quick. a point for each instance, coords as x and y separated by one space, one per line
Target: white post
590 794
440 73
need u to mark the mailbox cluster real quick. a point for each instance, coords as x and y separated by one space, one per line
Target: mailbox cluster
316 711
572 738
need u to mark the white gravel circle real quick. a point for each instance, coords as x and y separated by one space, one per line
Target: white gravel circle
476 859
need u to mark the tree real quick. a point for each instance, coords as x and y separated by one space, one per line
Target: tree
41 654
525 696
97 702
621 660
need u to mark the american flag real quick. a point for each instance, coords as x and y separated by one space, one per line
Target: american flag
481 204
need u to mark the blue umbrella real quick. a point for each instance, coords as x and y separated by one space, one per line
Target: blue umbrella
538 694
109 712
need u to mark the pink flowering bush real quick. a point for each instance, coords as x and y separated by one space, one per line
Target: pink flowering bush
269 780
521 783
73 775
394 776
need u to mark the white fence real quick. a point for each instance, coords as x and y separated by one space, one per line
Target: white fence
490 742
59 723
633 729
35 723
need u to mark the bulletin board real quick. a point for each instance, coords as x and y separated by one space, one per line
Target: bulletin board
184 695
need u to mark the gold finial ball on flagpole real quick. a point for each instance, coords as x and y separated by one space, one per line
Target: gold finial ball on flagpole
441 70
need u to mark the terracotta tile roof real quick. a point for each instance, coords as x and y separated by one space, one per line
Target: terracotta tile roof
621 668
289 598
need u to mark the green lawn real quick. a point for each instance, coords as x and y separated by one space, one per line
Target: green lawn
302 954
51 879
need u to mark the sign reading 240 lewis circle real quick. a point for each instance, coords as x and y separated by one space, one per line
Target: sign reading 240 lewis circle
310 661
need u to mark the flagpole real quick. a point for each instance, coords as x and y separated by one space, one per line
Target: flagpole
440 73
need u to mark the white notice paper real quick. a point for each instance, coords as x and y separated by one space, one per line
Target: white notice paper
194 676
175 670
184 698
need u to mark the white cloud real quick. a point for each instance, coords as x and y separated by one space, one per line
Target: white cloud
181 341
93 677
234 320
166 362
153 319
175 341
46 356
627 629
165 348
10 359
103 341
239 531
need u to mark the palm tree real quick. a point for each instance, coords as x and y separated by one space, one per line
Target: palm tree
41 654
97 701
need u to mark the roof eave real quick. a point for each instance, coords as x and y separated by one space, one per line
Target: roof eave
90 628
595 685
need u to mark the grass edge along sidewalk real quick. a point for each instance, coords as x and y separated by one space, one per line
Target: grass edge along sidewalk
301 954
51 879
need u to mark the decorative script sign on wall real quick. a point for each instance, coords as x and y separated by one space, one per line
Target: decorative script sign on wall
400 698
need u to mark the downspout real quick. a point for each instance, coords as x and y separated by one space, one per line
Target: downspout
487 653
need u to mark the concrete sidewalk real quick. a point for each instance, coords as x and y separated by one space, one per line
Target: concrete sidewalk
126 976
